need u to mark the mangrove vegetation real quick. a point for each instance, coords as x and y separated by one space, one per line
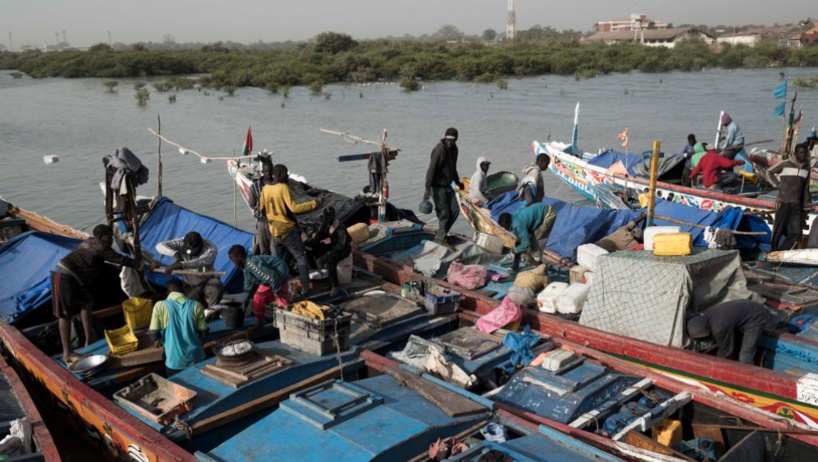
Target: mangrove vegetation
332 58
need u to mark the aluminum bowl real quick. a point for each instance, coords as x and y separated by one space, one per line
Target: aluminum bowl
89 365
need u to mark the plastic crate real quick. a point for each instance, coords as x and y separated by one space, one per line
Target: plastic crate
313 336
137 312
440 300
121 341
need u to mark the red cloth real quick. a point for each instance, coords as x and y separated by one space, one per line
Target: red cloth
709 166
264 295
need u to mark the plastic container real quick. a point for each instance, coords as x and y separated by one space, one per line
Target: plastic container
556 359
156 398
490 243
654 230
137 312
359 232
589 277
587 255
547 299
577 274
672 245
345 270
667 432
121 341
313 336
571 299
440 300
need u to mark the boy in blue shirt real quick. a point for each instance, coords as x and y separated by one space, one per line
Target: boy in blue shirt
178 323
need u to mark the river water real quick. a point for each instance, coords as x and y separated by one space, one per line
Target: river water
79 122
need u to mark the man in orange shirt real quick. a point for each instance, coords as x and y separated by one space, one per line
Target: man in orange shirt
711 166
281 210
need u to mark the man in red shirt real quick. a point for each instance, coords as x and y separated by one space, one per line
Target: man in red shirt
711 166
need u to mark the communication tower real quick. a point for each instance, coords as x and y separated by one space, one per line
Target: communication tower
511 22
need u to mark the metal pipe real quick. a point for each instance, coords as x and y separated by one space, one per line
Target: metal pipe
654 173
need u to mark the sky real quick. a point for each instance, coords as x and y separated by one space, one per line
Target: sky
87 22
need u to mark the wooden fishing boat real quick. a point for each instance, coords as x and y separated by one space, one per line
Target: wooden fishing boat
17 404
807 257
783 392
609 402
584 177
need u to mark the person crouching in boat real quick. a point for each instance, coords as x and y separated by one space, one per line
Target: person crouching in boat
70 281
333 242
791 177
532 188
265 278
479 186
196 255
712 166
725 322
178 324
531 225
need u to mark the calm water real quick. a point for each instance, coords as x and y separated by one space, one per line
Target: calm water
78 121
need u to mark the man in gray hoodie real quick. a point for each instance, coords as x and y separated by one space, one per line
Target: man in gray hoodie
479 186
531 188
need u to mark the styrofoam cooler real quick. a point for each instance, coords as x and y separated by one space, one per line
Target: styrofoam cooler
652 231
587 255
577 274
547 299
570 301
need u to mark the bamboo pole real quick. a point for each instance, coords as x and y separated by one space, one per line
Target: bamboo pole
159 154
654 174
696 225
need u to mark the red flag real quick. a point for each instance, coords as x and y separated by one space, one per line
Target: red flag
624 137
248 144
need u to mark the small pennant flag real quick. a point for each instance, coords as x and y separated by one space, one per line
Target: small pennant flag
779 110
247 149
780 91
624 137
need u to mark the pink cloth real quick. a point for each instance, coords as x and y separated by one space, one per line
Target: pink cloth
467 276
263 296
503 315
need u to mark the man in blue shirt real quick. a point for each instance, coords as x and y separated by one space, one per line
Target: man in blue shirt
265 277
531 225
178 323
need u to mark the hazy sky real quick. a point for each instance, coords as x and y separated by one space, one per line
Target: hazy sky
87 22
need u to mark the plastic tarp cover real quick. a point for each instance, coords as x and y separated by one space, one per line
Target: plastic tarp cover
26 262
576 225
168 221
609 158
433 260
639 295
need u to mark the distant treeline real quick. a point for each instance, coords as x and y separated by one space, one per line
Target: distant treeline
333 57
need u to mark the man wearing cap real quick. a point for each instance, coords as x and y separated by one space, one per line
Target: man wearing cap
742 319
441 174
731 139
195 254
479 186
70 281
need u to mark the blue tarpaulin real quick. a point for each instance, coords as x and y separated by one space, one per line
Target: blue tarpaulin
168 221
26 262
609 158
576 225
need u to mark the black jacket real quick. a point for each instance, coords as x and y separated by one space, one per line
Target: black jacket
340 245
725 318
442 166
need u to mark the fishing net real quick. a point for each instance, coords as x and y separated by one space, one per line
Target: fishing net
637 294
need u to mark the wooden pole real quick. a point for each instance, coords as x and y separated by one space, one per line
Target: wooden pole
159 154
654 174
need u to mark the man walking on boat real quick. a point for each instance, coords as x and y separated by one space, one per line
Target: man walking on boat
532 225
178 323
725 322
281 210
791 177
440 175
70 281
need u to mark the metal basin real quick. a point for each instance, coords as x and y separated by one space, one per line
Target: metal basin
90 365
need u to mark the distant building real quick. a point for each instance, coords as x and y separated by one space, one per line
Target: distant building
793 41
810 37
750 39
635 22
667 38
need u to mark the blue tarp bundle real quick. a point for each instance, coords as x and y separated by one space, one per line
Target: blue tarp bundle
608 158
576 225
168 221
26 262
